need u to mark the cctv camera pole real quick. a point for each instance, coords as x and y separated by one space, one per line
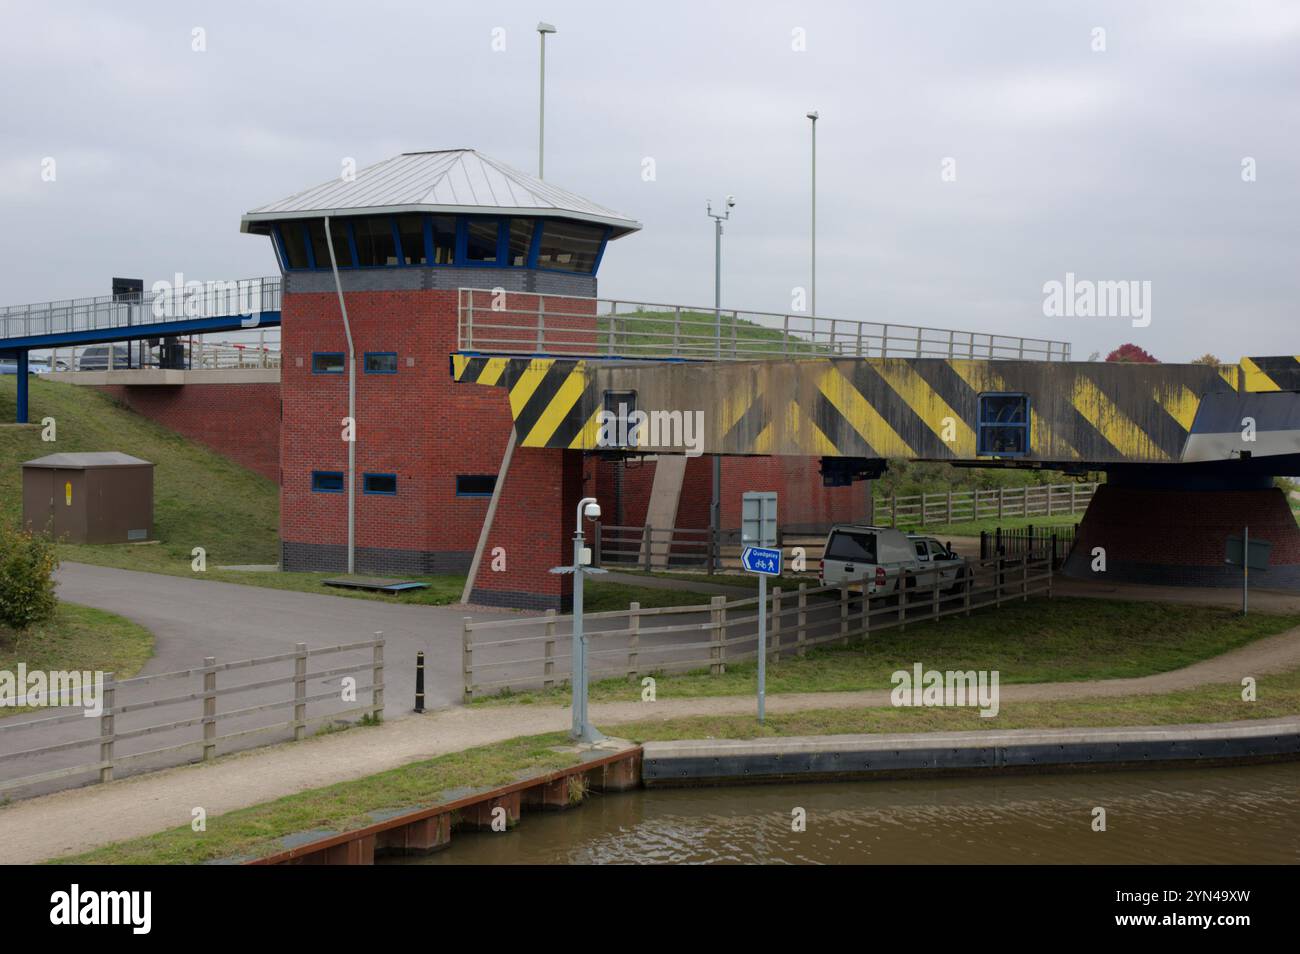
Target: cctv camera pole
583 730
715 506
813 304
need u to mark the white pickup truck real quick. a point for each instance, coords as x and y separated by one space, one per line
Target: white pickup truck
871 560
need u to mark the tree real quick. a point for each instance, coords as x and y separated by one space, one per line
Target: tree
1131 354
1209 359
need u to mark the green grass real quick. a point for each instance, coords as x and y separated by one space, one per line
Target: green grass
1057 640
652 332
257 830
1279 696
201 499
606 597
77 638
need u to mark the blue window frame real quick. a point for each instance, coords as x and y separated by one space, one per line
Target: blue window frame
475 485
1003 425
293 242
327 481
327 362
383 485
380 362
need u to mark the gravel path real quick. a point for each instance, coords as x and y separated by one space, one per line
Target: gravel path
77 820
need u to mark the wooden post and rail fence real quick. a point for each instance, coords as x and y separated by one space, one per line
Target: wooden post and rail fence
639 641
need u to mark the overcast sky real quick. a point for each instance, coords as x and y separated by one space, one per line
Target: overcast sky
1117 165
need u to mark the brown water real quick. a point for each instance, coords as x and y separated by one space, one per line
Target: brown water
1247 814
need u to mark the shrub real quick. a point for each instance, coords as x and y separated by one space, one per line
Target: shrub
27 563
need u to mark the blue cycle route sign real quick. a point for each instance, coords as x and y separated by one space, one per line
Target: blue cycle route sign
761 560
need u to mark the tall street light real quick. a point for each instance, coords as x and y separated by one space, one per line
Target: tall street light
715 508
542 30
582 730
813 304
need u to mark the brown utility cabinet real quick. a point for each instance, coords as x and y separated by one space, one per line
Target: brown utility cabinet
104 497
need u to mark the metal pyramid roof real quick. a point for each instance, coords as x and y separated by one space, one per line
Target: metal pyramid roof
448 181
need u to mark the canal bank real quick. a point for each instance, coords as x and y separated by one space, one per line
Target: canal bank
617 766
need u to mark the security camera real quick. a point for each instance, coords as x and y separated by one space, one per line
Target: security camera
592 511
731 201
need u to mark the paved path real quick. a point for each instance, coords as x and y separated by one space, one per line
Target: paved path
79 819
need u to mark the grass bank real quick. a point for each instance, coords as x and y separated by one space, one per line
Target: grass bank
255 831
77 638
1058 640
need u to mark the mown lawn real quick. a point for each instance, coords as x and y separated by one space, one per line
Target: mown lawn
1057 640
77 638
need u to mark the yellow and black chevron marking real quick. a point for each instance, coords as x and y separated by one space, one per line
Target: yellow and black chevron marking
919 408
546 395
1271 374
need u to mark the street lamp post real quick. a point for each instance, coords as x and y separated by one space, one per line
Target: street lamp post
542 30
715 507
813 115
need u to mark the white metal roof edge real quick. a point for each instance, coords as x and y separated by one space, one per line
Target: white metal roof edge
621 226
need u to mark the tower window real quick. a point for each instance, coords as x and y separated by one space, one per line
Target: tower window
411 229
342 247
569 246
481 241
376 242
521 241
1004 425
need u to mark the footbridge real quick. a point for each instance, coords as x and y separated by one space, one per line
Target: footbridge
173 310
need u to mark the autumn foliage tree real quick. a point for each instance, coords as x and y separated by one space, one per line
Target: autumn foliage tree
1132 354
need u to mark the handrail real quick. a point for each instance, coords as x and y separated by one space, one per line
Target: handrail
248 297
491 321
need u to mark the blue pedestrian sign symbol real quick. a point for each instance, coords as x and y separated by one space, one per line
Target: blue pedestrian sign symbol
761 560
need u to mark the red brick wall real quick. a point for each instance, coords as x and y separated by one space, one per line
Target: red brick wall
238 421
417 423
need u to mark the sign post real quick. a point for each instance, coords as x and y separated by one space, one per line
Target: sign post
1248 554
758 537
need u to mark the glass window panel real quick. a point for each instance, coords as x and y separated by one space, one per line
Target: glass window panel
444 239
411 228
375 245
475 485
381 362
295 244
481 243
569 246
380 484
342 248
327 481
327 362
521 240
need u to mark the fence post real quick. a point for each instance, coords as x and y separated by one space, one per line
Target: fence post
377 679
717 613
649 543
634 637
1002 497
893 510
209 708
299 691
774 630
999 574
548 667
949 520
844 616
1073 497
596 547
801 637
467 662
106 729
866 613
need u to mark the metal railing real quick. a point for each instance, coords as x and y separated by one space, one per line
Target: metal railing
533 652
198 354
247 297
498 322
962 506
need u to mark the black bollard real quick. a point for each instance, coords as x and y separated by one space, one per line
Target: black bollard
419 682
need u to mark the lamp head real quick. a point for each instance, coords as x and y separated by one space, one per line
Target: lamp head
545 28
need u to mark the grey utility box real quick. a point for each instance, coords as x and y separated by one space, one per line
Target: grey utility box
89 497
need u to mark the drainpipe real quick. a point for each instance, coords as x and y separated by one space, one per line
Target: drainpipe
352 405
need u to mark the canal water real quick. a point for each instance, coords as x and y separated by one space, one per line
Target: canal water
1246 814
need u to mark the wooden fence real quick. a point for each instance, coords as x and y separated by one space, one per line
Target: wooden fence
638 641
1035 542
203 704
